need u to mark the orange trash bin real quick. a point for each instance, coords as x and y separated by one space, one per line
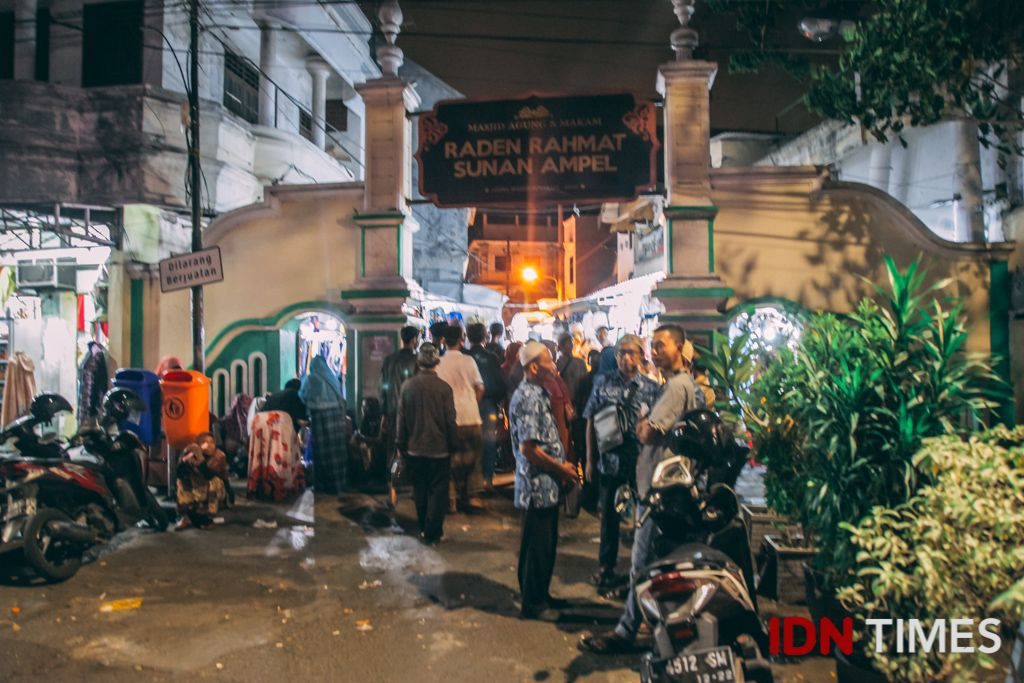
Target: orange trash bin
186 406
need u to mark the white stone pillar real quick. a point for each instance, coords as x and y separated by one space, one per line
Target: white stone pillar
320 71
268 91
968 203
25 40
692 293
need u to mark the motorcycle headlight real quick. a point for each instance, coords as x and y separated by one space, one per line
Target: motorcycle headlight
673 471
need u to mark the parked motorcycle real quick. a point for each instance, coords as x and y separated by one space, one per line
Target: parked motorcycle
698 596
54 503
121 456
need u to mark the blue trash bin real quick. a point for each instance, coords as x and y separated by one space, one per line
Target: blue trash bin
147 385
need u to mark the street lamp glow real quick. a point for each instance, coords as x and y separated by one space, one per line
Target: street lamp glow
530 274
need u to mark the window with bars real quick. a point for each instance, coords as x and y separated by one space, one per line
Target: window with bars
337 116
306 124
112 43
6 45
241 87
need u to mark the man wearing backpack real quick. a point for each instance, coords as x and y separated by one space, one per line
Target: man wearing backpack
630 394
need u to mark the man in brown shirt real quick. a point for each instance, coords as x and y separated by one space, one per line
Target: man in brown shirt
426 437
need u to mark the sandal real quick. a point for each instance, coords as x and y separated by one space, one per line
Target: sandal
610 643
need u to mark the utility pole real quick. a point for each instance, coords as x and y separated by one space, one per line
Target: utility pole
198 356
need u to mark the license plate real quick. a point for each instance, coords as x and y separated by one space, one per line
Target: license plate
703 666
16 507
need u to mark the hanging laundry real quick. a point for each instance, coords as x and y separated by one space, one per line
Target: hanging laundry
93 382
19 387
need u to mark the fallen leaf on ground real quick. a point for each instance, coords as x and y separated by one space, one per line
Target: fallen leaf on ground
121 605
347 610
364 625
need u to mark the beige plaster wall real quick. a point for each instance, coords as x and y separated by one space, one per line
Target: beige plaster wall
300 244
788 232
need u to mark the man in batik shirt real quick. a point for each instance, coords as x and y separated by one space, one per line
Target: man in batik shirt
541 469
616 467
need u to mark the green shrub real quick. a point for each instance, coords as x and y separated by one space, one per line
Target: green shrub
953 550
838 421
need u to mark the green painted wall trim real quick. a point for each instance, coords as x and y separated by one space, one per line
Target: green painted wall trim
275 320
362 251
695 293
398 233
711 245
352 364
378 217
374 293
267 342
668 245
137 322
700 211
999 331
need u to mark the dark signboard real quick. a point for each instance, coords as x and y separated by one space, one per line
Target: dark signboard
537 150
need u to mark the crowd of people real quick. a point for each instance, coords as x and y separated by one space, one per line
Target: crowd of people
565 415
576 414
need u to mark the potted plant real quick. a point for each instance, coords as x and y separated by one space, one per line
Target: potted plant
861 393
839 420
953 550
733 366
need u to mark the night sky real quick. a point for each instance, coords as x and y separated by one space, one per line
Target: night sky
545 47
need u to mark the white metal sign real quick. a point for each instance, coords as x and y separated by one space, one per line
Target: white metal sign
191 270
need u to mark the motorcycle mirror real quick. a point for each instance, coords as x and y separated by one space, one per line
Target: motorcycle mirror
721 506
625 501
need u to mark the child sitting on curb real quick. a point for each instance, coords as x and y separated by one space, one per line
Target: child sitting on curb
217 462
200 490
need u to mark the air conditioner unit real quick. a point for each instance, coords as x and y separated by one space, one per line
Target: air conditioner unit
47 273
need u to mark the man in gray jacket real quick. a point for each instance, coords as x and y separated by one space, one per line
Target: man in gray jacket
426 437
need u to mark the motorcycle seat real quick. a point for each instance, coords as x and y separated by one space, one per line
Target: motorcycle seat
699 555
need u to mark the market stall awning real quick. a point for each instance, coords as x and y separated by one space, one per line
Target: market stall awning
642 210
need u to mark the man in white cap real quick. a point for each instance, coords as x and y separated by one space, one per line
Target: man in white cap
541 469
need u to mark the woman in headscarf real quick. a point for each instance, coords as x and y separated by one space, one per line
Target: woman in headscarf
321 392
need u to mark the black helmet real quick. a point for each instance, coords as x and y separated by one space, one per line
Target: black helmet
119 404
45 407
699 436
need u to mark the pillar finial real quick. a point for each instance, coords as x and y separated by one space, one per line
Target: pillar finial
390 55
684 39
